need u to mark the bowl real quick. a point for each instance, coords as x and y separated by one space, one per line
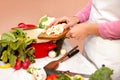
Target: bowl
42 49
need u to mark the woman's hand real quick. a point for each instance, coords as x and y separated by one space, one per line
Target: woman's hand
81 31
70 21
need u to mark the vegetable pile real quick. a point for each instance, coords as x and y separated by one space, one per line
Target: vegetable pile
63 77
16 49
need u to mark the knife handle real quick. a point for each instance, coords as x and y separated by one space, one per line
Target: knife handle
70 55
73 53
73 49
66 55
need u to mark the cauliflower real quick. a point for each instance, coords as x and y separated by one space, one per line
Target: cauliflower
45 21
48 22
37 75
57 29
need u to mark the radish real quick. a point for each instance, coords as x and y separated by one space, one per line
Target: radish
27 60
26 63
18 65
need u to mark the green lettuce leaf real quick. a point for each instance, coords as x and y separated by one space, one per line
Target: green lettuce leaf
104 73
42 19
12 59
4 56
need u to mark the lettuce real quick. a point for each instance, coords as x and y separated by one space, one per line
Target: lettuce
104 73
42 19
16 44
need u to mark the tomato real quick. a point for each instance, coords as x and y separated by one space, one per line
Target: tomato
52 77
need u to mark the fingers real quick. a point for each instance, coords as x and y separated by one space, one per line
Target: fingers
52 23
72 34
67 26
61 20
69 35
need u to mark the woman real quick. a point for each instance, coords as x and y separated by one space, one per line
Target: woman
101 32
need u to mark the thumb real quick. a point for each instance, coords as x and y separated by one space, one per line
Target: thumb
69 25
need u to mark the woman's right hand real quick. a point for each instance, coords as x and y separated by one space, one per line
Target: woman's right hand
70 21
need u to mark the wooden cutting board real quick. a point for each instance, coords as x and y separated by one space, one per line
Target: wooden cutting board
52 36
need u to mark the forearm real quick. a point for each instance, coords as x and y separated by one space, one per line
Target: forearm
83 15
92 29
110 30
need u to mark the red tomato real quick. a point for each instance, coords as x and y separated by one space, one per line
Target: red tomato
52 77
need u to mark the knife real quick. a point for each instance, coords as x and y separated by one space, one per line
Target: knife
70 55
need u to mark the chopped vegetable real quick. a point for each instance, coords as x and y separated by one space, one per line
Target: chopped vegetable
68 77
77 77
63 51
52 77
37 75
103 73
63 77
30 70
57 29
52 54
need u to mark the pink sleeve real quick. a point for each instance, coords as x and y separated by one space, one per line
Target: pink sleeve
83 14
110 30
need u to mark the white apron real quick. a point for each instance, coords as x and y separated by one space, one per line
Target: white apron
104 51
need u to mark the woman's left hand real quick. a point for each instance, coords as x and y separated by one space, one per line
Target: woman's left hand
81 31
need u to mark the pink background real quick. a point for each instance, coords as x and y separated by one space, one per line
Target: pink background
29 11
